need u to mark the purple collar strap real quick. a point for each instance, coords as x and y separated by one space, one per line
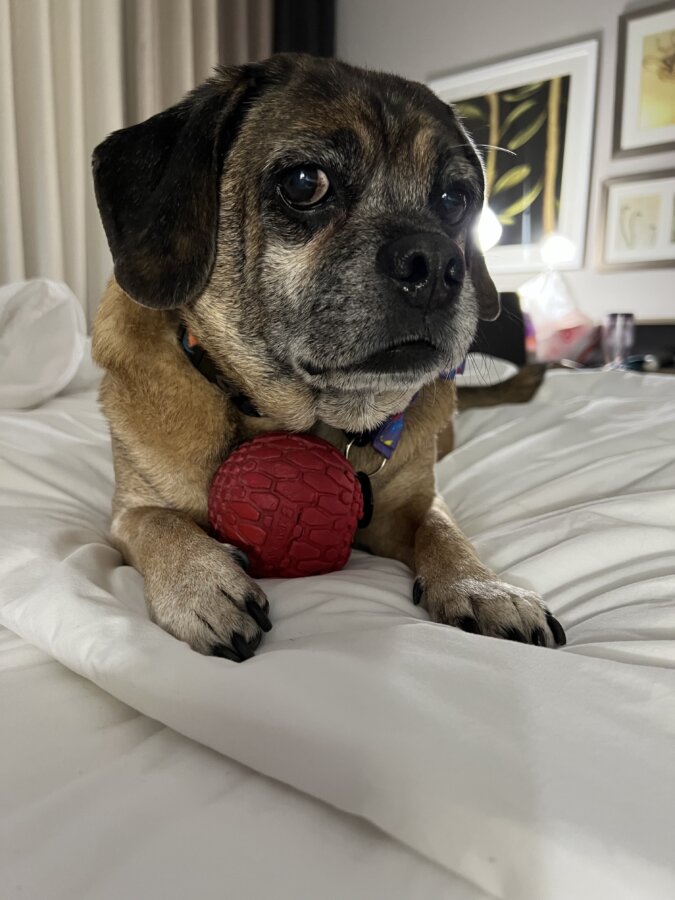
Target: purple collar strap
386 438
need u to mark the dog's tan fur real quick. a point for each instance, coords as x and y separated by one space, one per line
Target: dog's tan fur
171 428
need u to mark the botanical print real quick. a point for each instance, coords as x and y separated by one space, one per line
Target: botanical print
657 81
532 117
638 222
529 123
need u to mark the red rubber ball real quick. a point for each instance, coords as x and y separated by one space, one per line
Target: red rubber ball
292 502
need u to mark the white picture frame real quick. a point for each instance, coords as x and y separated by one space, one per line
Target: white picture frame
644 114
578 61
638 221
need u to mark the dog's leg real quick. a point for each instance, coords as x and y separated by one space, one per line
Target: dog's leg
195 587
445 442
456 588
521 388
412 524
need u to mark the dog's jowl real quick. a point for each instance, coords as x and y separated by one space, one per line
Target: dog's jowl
309 227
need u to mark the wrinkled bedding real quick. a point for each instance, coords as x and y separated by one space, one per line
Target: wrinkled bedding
364 752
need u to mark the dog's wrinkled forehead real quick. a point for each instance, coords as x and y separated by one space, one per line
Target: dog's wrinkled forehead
392 135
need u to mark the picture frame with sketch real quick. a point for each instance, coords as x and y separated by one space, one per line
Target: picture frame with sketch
638 221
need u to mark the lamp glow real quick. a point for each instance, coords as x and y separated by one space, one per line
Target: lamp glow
557 250
489 230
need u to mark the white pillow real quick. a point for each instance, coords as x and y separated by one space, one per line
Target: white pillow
42 339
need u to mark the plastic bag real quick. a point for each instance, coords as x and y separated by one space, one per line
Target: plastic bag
561 330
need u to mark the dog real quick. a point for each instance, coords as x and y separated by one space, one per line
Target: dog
310 227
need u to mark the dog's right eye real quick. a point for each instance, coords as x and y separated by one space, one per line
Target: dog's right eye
454 203
305 187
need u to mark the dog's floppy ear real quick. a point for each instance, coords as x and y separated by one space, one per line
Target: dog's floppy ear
489 305
157 189
487 294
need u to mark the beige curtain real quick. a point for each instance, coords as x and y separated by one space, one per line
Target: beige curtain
71 71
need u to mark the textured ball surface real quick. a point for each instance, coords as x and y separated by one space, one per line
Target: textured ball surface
292 502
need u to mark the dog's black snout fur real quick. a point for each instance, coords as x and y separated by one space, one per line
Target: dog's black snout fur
428 268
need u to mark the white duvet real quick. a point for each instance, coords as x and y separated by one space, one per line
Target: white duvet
514 771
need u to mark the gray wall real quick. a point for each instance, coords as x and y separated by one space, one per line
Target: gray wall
424 38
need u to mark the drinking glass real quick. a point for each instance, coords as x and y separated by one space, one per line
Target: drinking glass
618 333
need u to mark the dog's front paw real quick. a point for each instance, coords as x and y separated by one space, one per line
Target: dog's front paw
491 607
205 598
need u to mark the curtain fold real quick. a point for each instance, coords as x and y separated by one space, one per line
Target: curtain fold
11 223
305 26
72 71
248 24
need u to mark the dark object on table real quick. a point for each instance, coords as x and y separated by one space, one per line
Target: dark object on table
654 337
505 337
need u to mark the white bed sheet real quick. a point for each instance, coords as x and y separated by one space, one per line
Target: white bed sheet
494 769
99 802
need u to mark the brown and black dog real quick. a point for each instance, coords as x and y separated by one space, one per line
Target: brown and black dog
310 224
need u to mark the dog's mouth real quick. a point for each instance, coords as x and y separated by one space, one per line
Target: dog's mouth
396 359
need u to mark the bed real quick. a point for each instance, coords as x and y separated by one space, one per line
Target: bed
364 752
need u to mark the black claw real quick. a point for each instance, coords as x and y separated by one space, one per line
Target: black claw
513 634
225 653
259 614
242 646
538 637
468 623
557 630
241 558
418 591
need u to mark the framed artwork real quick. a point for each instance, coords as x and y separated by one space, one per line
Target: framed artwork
532 118
638 221
644 114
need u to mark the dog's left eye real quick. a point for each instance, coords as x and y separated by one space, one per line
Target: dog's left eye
305 187
454 202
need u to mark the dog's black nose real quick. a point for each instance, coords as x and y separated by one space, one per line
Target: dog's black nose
428 268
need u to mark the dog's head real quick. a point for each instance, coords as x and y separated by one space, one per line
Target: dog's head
314 222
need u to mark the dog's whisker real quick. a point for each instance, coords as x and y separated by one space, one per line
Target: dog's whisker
468 146
497 148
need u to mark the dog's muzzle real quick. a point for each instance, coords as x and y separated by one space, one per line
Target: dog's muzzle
426 268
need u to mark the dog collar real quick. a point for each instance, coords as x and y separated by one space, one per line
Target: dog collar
384 439
201 360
